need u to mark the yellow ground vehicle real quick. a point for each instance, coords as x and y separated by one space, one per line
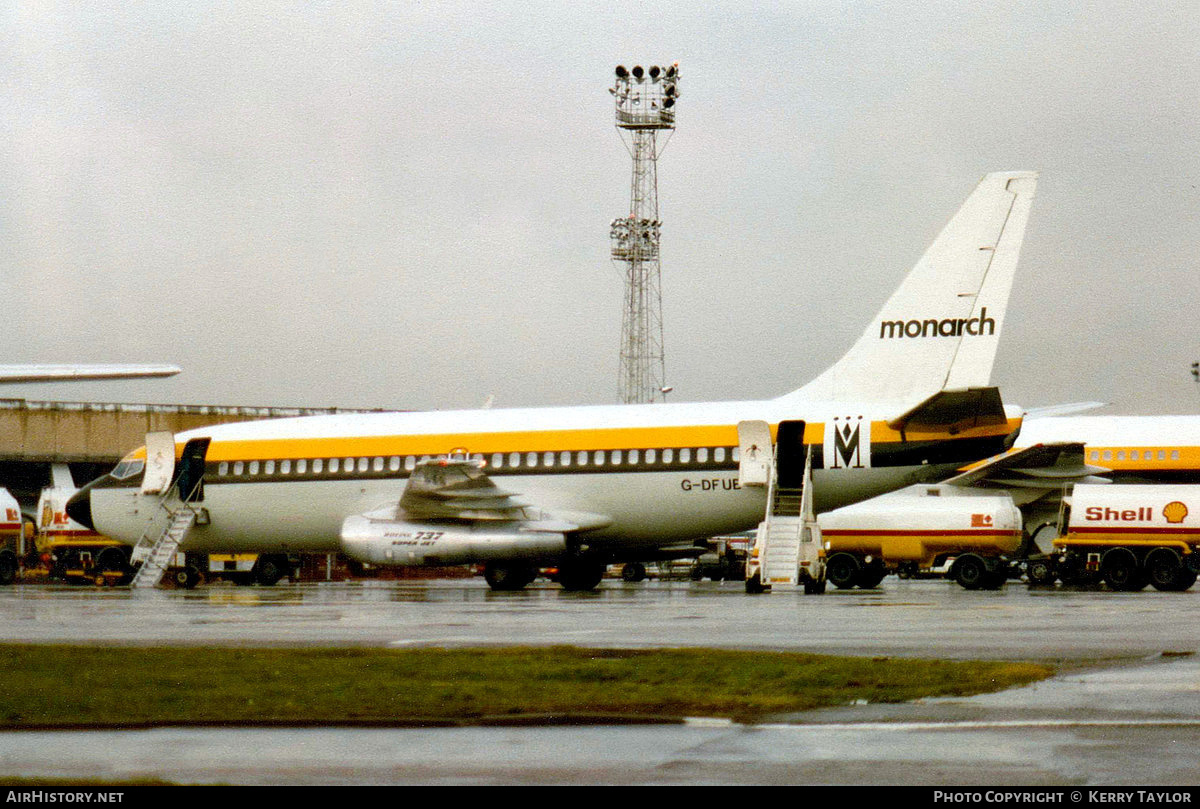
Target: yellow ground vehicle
918 528
71 551
13 546
1127 536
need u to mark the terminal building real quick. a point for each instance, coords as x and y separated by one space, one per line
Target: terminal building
92 436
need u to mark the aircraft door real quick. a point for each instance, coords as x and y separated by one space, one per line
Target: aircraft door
191 470
790 454
160 462
754 453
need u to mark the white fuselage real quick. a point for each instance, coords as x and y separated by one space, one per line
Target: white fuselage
643 477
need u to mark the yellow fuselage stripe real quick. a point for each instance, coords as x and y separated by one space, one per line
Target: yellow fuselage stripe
642 438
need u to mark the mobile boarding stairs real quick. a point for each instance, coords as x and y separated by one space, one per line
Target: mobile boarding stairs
787 550
180 488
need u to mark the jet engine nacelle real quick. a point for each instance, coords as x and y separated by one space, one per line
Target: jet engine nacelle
390 542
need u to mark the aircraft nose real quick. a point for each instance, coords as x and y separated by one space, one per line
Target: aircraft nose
79 507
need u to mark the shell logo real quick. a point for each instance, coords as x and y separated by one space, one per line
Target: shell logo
1175 511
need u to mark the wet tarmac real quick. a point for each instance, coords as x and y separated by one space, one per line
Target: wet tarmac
1126 710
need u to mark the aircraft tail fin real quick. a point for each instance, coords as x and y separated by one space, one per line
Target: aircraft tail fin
941 327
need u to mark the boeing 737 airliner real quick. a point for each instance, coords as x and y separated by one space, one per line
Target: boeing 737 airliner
581 487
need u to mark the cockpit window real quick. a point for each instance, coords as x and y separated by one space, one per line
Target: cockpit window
128 469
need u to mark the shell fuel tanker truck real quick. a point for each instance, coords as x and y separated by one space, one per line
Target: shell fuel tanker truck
1126 536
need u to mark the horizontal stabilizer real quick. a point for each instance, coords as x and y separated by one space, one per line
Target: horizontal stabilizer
953 411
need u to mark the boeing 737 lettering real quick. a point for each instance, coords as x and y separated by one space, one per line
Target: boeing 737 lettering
582 487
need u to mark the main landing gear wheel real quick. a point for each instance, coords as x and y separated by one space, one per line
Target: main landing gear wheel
507 578
754 585
578 575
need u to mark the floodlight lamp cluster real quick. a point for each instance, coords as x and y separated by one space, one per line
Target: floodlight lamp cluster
635 238
646 97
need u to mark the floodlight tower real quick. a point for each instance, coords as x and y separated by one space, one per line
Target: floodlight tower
645 105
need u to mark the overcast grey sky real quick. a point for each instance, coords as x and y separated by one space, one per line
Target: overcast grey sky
407 205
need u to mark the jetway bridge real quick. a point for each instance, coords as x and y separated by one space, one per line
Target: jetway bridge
93 436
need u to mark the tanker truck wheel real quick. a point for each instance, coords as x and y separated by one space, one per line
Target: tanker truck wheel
971 572
1041 573
870 575
1120 571
8 567
842 570
1167 572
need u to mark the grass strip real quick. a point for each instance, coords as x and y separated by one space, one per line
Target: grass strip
107 686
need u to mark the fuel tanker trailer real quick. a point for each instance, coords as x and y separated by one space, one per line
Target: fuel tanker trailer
1127 536
920 528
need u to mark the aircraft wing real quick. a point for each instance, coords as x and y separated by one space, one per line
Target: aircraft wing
460 489
1032 472
69 373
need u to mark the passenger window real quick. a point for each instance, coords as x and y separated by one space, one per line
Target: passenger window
1095 455
598 457
531 459
564 458
1108 454
702 455
719 454
254 467
1162 455
685 455
581 457
633 456
394 463
668 455
1174 455
548 459
410 463
514 459
497 460
377 465
270 468
736 455
363 464
286 467
334 464
223 468
1121 455
238 468
616 457
651 455
318 466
